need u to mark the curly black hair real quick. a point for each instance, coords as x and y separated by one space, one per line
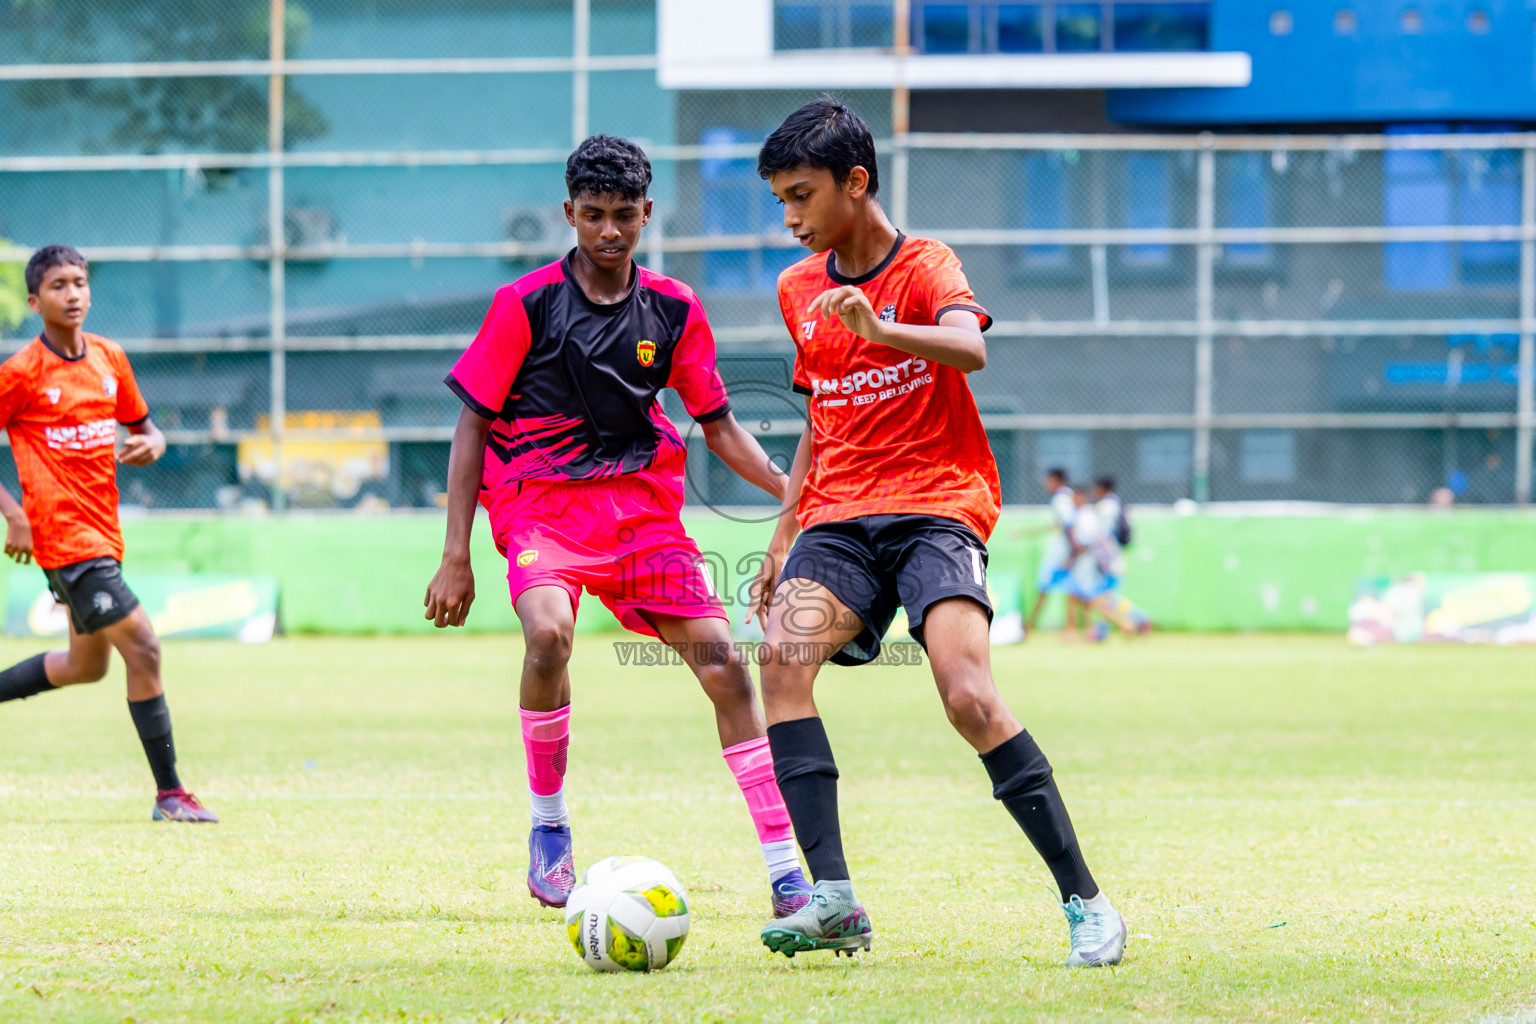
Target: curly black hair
824 133
608 164
48 257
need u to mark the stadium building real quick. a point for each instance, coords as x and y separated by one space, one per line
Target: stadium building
1213 277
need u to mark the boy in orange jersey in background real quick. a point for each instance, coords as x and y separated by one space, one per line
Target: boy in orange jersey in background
61 399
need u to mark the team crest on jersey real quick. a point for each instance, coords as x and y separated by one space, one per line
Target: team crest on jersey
888 314
109 385
645 351
527 558
807 328
54 394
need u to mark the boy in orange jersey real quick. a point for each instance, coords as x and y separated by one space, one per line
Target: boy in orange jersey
61 399
896 490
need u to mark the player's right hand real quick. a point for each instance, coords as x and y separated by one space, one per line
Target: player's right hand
18 540
450 593
760 593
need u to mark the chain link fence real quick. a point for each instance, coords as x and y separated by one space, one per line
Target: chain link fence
294 231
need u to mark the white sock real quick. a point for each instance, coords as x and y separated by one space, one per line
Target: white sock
1099 904
781 859
550 810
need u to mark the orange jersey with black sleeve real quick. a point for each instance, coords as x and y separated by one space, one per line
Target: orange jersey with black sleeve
62 416
890 432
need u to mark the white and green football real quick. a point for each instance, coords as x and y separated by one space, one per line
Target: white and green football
627 914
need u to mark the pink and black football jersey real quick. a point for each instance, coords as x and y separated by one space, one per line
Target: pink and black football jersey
571 385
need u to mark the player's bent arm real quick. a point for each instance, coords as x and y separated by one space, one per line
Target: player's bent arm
18 531
741 451
452 589
955 340
145 443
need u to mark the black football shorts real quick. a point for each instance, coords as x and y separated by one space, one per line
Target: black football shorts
876 564
94 592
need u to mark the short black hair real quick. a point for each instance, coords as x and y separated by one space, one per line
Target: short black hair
1058 473
1106 482
48 257
608 164
826 134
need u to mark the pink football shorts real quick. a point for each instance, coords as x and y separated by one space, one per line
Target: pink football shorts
619 537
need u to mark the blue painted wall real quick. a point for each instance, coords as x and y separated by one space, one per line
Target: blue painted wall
1469 60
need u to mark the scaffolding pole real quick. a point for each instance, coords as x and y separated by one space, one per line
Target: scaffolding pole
581 63
1526 386
277 244
1205 301
901 115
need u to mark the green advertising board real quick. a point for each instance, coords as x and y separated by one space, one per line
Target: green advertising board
182 606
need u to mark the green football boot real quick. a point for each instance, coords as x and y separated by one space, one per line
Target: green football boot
832 919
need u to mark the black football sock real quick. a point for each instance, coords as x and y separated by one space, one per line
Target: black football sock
153 720
807 776
24 679
1022 780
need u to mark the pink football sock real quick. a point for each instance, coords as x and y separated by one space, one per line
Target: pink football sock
752 764
546 735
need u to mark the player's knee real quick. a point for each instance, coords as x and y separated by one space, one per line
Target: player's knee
548 644
141 653
85 668
726 684
971 707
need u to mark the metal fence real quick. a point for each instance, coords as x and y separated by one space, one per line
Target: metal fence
296 221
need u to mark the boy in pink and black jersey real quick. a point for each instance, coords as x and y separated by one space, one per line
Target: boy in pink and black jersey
563 440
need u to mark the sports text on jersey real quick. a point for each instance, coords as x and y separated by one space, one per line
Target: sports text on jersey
875 383
81 435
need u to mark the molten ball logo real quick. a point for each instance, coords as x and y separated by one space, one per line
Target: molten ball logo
527 557
645 351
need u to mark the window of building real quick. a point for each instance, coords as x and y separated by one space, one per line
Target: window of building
1267 456
1148 205
1245 203
1426 188
1020 28
1163 457
831 24
736 203
1488 193
946 28
1143 27
1079 28
984 26
1045 206
1067 449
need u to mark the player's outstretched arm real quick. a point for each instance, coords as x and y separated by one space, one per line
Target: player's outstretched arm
761 592
955 340
452 589
144 445
740 450
18 531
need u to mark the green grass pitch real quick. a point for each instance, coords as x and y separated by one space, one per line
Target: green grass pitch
1294 829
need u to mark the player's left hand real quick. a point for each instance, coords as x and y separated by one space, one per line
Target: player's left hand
141 449
852 307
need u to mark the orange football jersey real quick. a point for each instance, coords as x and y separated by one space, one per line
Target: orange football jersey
890 432
62 415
